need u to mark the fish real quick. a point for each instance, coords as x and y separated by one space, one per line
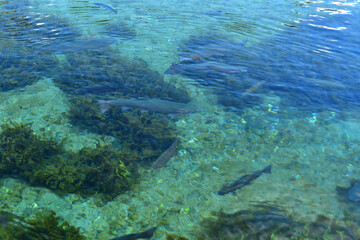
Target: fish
254 87
226 70
165 157
106 7
97 89
243 181
327 83
195 59
214 13
146 235
354 192
210 60
151 104
77 45
199 69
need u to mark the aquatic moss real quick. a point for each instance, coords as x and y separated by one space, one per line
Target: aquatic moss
22 149
108 74
19 67
45 162
88 172
173 236
46 226
267 222
140 135
89 76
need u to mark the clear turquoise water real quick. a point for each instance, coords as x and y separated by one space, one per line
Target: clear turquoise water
277 82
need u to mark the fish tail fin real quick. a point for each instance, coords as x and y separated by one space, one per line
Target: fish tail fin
104 106
267 169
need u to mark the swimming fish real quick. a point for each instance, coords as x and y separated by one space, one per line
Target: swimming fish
199 69
354 192
146 235
211 61
243 181
165 156
195 59
104 87
151 104
106 7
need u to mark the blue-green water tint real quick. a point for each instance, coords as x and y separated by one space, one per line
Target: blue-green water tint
277 82
308 65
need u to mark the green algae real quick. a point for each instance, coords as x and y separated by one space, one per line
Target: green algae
267 222
140 135
115 75
89 76
46 226
45 163
173 236
19 67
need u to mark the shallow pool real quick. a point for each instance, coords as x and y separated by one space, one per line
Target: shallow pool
204 119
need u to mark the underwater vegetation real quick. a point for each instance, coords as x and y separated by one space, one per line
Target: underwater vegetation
139 135
46 226
90 76
45 163
107 73
88 73
267 222
173 236
19 67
